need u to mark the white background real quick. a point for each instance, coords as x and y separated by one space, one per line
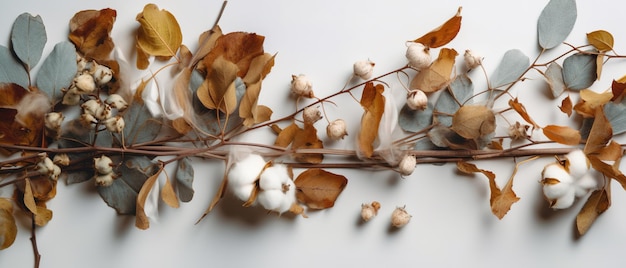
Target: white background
452 224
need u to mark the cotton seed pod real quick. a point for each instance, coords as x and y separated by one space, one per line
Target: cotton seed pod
302 86
115 124
558 186
85 83
577 164
472 60
418 56
336 130
116 101
417 100
363 69
56 172
518 131
81 64
104 112
104 179
61 159
92 107
311 114
243 175
53 120
71 97
407 165
103 165
101 74
400 217
87 120
45 166
369 211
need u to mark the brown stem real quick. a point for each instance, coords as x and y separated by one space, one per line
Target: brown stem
33 241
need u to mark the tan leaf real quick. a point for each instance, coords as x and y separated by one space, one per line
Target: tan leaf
206 42
218 89
181 126
217 197
159 33
8 228
286 136
607 170
373 102
473 121
249 111
589 100
306 138
566 106
260 66
29 199
43 215
443 34
239 48
141 219
263 114
183 97
437 75
143 58
599 65
43 189
90 31
185 56
612 152
319 189
521 110
469 168
619 91
562 134
168 195
600 134
599 201
601 40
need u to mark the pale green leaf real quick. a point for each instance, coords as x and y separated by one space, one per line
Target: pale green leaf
459 92
513 65
57 71
28 38
122 194
556 22
415 120
141 126
579 71
616 114
76 135
184 178
11 70
554 77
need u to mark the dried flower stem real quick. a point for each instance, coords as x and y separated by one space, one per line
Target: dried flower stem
33 241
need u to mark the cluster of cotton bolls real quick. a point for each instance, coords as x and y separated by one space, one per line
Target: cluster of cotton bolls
563 181
256 181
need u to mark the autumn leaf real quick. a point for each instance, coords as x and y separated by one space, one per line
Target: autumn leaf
8 228
610 171
239 48
286 135
218 89
500 200
566 106
373 102
562 134
521 110
159 33
601 40
260 66
249 111
619 91
141 219
443 34
34 205
590 100
21 116
206 42
473 121
600 134
599 201
319 189
306 138
437 75
168 195
90 31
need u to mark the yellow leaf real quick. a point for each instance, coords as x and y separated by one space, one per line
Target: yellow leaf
373 102
43 215
159 33
248 105
443 34
437 76
286 136
259 68
601 40
143 59
306 138
8 228
319 189
141 219
218 89
562 134
589 100
168 195
600 134
521 110
29 199
599 201
473 121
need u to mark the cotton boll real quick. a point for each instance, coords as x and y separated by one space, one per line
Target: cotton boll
271 199
577 163
564 201
556 181
246 171
243 192
585 184
274 177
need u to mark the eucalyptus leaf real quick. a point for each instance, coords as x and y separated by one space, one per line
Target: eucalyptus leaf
556 22
122 194
184 178
11 70
579 71
554 77
28 38
415 120
209 118
57 71
513 65
141 126
616 114
424 144
459 92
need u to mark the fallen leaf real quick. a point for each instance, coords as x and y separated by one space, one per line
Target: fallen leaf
260 66
373 102
590 100
8 228
521 110
473 121
500 200
618 90
218 89
599 201
29 199
612 152
437 75
610 171
443 34
601 40
319 189
141 219
566 106
90 32
159 33
600 134
21 116
562 134
206 42
306 138
239 48
249 111
286 135
168 195
43 215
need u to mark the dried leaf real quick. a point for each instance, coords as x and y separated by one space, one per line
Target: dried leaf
57 71
260 66
184 178
590 101
601 133
206 42
566 106
28 38
179 106
90 31
601 40
11 70
306 138
554 77
239 48
473 121
599 201
159 33
29 198
143 58
443 34
610 171
218 90
500 200
43 215
580 71
513 65
459 92
437 76
8 228
249 111
521 110
286 136
319 189
562 134
168 195
373 102
141 219
556 22
619 91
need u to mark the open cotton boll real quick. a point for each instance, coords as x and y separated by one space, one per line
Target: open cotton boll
243 192
564 201
243 175
585 184
577 163
274 177
558 186
270 199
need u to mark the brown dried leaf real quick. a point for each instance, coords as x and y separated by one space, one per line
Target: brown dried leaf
610 171
521 110
599 65
612 152
159 33
259 68
373 102
618 90
600 134
319 189
218 89
90 31
185 56
562 134
218 196
601 40
443 34
168 195
8 228
566 106
473 121
183 99
29 199
286 136
437 76
249 111
141 219
143 58
590 100
239 48
307 139
43 215
206 42
599 201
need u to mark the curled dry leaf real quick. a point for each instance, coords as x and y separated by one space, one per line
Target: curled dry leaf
306 138
260 66
500 200
319 189
443 34
34 204
239 48
566 106
141 219
562 134
521 110
90 31
618 90
159 33
599 201
590 100
8 228
249 111
373 102
600 134
218 89
21 116
437 75
473 121
168 195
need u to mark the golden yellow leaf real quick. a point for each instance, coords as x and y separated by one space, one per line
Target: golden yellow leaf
90 32
599 201
168 195
306 138
566 106
8 228
43 215
260 66
562 134
589 100
218 89
181 125
601 40
521 110
443 34
437 75
473 121
141 219
373 102
600 134
319 189
285 137
143 59
599 65
159 33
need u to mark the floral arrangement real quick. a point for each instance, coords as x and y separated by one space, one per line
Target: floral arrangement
80 118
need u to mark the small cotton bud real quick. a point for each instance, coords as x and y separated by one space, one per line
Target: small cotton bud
87 120
103 165
81 64
101 74
400 217
91 107
53 120
301 86
418 56
61 160
56 172
363 69
417 100
311 114
85 82
407 165
472 60
71 97
116 101
104 112
336 130
45 166
115 124
104 179
518 131
369 211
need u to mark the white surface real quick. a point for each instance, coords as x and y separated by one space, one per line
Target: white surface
452 223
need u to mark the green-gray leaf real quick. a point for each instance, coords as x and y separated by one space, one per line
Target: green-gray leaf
556 22
57 71
141 126
11 70
209 118
415 120
122 194
554 77
28 38
184 179
459 92
579 71
512 67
